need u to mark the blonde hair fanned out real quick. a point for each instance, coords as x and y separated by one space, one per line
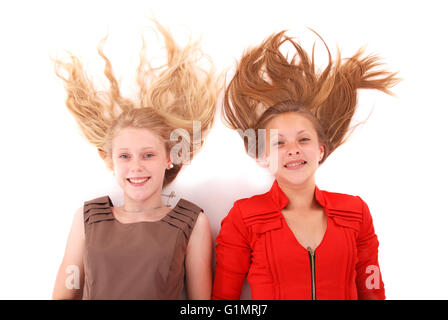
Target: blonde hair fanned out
171 96
267 83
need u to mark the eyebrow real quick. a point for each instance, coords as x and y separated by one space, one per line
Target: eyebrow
280 135
145 148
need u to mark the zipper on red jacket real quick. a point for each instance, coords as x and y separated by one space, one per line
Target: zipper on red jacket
313 272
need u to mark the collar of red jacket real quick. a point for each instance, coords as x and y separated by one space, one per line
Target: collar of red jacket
282 200
345 210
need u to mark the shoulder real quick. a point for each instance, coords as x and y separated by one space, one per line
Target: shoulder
343 201
201 229
197 225
258 213
98 209
184 216
98 200
78 221
257 204
188 205
345 209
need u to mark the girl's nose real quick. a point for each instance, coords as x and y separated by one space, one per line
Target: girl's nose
293 152
292 149
137 165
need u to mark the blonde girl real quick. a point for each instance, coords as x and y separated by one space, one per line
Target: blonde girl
142 249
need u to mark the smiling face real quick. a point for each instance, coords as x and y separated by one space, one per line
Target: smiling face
139 161
295 151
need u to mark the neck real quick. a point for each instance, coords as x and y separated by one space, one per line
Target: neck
301 196
152 203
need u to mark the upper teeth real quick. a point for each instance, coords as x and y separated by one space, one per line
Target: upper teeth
138 180
295 164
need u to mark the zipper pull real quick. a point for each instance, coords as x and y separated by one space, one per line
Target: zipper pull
311 251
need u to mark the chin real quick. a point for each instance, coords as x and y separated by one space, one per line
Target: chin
293 179
136 194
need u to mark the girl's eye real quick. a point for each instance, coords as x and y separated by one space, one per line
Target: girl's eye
278 143
304 139
148 155
123 156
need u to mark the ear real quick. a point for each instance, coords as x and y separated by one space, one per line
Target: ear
322 152
169 162
106 159
102 153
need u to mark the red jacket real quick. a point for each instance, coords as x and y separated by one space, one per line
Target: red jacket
255 241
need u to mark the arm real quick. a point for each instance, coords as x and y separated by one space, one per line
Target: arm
368 279
70 278
232 257
198 261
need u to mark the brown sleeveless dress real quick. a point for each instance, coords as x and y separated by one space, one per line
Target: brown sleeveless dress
142 260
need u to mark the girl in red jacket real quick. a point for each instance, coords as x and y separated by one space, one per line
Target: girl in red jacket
297 241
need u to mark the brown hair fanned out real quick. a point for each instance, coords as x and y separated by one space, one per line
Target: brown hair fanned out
171 97
266 83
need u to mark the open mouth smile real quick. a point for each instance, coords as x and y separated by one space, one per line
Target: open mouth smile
138 182
294 165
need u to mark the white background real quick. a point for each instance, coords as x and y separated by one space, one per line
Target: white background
396 162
